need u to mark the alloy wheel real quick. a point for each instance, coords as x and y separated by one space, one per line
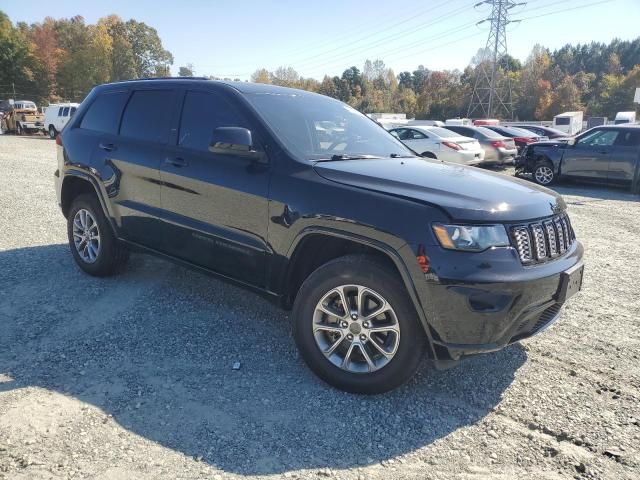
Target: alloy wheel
356 329
86 236
544 175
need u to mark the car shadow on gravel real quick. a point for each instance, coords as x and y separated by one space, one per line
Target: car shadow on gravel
155 347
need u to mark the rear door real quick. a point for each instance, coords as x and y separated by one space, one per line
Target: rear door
625 156
134 155
216 205
590 156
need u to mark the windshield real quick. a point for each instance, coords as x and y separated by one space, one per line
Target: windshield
516 132
315 127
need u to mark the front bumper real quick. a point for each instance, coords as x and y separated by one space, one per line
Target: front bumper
489 301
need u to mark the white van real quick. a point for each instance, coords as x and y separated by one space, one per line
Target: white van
569 122
57 115
625 117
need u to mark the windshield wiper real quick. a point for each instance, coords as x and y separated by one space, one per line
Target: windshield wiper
338 158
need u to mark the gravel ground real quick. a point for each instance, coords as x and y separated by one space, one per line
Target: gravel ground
132 376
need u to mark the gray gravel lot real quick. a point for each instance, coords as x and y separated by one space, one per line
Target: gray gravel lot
131 376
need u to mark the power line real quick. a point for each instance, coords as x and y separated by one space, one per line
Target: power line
353 51
568 9
341 58
387 38
349 35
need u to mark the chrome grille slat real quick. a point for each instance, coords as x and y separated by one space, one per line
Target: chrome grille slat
551 238
539 241
523 243
545 240
562 244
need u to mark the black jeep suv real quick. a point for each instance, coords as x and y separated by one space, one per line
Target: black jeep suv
383 256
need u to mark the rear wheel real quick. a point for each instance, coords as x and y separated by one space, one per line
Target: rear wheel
19 129
355 326
543 174
52 132
93 245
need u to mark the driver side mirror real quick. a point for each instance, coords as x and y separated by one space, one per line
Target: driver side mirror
236 141
571 142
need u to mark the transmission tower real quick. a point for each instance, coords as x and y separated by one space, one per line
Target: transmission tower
492 96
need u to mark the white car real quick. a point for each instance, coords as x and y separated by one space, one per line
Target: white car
440 143
57 115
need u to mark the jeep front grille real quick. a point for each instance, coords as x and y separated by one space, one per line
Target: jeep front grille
539 242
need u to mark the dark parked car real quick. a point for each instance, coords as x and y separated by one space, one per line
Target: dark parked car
497 148
520 136
383 256
606 154
550 133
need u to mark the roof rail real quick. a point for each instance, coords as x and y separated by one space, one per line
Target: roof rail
161 78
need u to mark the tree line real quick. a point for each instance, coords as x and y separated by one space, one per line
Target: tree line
599 79
62 59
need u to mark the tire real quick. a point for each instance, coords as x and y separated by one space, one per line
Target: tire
86 220
543 173
52 132
19 130
315 329
429 155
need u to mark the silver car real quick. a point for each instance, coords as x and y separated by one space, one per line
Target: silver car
440 143
497 148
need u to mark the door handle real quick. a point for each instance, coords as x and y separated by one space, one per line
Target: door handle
107 146
176 162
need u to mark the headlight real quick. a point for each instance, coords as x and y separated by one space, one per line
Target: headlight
472 238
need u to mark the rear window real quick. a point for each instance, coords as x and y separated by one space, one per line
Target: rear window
442 132
148 115
562 121
488 133
104 113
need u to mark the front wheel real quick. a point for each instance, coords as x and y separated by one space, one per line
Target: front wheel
52 132
93 245
355 326
19 129
544 174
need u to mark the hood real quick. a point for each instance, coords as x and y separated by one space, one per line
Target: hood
465 193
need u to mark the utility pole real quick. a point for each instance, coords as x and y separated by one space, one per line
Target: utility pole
492 96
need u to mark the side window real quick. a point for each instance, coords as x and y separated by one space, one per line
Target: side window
599 138
148 115
104 113
630 138
65 112
60 111
402 134
72 111
202 113
416 135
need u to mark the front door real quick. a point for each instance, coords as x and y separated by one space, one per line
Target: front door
625 157
216 204
589 157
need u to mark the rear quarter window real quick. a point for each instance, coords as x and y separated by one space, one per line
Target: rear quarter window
103 115
148 115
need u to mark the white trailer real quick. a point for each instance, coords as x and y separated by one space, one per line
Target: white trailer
568 122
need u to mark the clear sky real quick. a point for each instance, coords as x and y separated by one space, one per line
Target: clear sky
232 38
